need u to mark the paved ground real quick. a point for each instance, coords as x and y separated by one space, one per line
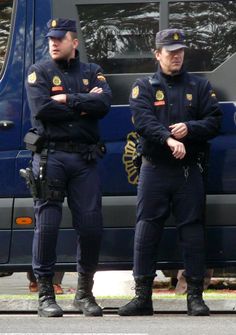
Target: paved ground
15 296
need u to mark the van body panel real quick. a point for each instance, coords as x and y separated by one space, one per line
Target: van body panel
27 44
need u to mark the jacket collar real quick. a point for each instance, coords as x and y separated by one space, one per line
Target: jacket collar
64 64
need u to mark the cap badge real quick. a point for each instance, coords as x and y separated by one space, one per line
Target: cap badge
32 78
176 37
189 96
160 95
56 81
53 23
135 92
213 95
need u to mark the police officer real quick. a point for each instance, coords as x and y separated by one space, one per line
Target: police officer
175 113
66 99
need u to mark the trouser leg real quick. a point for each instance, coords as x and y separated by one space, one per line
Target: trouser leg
188 207
152 210
84 199
47 218
48 215
146 241
192 239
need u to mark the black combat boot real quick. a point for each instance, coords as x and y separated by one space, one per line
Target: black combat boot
84 300
195 302
141 304
47 303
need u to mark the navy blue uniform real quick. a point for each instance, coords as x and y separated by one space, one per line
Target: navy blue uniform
167 184
66 129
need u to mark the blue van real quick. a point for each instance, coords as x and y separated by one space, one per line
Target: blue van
118 35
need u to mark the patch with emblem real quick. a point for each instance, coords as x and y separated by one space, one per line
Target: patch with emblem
85 82
56 81
159 95
189 96
101 77
32 78
135 92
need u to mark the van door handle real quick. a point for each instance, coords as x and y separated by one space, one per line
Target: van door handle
4 124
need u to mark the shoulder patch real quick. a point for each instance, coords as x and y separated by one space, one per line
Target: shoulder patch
32 78
135 92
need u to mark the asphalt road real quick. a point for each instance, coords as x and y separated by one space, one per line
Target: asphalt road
162 324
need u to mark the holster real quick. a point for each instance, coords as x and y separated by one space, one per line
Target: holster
52 190
31 182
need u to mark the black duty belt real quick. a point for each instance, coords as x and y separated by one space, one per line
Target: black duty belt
68 146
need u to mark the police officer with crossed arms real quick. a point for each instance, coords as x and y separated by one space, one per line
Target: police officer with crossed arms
67 98
175 113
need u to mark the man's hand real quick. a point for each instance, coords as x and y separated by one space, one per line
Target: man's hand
97 90
179 130
177 148
59 98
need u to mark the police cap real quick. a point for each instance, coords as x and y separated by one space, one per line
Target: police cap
59 27
170 39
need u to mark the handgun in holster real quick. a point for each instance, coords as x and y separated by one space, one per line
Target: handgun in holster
31 183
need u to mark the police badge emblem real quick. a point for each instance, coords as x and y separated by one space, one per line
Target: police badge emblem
159 95
56 81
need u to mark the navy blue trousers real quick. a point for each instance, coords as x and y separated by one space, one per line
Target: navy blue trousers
162 190
84 200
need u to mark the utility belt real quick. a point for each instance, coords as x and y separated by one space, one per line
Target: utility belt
36 143
41 187
71 147
89 152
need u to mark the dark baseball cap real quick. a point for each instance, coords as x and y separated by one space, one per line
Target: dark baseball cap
170 39
59 27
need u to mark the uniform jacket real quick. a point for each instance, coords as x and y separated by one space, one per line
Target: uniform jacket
63 122
162 100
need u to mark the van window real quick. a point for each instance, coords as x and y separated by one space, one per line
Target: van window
5 26
120 37
210 30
